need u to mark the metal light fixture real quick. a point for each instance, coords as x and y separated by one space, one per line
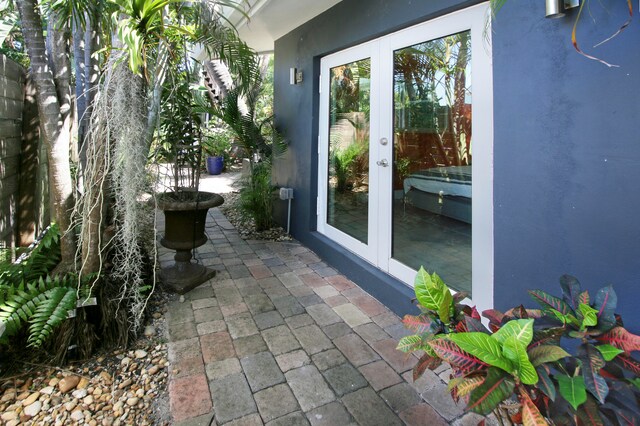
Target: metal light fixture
556 8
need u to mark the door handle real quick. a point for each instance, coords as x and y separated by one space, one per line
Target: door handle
383 162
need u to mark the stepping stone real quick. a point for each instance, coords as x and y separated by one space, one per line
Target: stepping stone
323 315
232 398
368 409
262 371
312 339
380 375
268 319
309 387
356 350
276 402
280 340
345 379
330 415
249 345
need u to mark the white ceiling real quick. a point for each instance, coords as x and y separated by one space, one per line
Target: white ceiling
268 20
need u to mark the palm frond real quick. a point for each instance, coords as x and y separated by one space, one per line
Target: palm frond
50 313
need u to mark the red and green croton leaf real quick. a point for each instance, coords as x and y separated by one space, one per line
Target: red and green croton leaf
546 353
461 387
628 364
531 416
459 359
545 384
418 324
548 336
483 347
409 343
605 303
589 414
497 387
621 339
548 301
426 361
592 362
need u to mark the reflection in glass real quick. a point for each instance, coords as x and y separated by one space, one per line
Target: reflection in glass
348 186
432 158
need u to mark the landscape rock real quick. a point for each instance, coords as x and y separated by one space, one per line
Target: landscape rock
68 383
33 409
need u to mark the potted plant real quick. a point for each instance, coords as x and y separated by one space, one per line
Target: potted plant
568 363
216 145
185 207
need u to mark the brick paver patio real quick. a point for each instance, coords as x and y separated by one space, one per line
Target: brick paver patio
280 338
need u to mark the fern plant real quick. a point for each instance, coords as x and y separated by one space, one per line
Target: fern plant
29 295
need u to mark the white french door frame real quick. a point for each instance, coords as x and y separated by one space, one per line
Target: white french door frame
381 51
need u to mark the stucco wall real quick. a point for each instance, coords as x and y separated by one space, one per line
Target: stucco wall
566 154
566 150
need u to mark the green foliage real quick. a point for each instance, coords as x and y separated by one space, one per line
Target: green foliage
216 142
522 357
345 164
256 197
30 295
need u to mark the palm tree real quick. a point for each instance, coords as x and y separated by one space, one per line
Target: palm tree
54 106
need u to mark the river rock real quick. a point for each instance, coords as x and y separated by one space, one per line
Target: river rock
31 399
149 331
8 416
133 401
47 391
68 383
33 409
79 393
77 415
140 354
84 382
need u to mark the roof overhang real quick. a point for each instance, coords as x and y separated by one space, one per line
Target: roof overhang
265 21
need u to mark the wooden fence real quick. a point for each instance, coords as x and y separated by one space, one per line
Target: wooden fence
24 187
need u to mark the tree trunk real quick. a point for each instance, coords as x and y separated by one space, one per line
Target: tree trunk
56 136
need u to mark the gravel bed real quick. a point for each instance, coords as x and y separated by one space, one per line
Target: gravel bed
115 388
246 227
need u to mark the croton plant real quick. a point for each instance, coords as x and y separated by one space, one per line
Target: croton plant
568 362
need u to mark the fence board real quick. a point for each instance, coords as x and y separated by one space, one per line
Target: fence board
10 69
9 147
8 187
9 166
11 109
11 89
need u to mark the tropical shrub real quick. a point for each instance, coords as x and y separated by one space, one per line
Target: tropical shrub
256 196
568 362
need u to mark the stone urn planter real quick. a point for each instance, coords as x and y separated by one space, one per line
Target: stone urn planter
185 215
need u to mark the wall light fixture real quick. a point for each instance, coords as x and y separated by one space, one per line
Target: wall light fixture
556 8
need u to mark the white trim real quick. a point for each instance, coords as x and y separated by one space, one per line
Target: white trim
378 249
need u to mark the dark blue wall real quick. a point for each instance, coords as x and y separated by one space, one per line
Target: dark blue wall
566 154
566 150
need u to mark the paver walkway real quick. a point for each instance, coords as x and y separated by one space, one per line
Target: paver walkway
280 338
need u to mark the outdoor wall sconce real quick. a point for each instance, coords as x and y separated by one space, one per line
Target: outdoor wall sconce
295 76
556 8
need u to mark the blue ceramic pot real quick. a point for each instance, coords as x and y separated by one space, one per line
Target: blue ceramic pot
215 165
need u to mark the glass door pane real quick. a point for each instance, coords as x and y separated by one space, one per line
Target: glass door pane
348 160
431 224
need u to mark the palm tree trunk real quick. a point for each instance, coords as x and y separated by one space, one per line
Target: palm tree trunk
55 134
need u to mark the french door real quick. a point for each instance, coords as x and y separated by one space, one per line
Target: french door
405 151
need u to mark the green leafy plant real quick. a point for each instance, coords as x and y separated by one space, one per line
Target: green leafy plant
519 358
30 295
217 143
256 197
345 162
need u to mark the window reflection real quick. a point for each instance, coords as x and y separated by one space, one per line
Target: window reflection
348 186
432 158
